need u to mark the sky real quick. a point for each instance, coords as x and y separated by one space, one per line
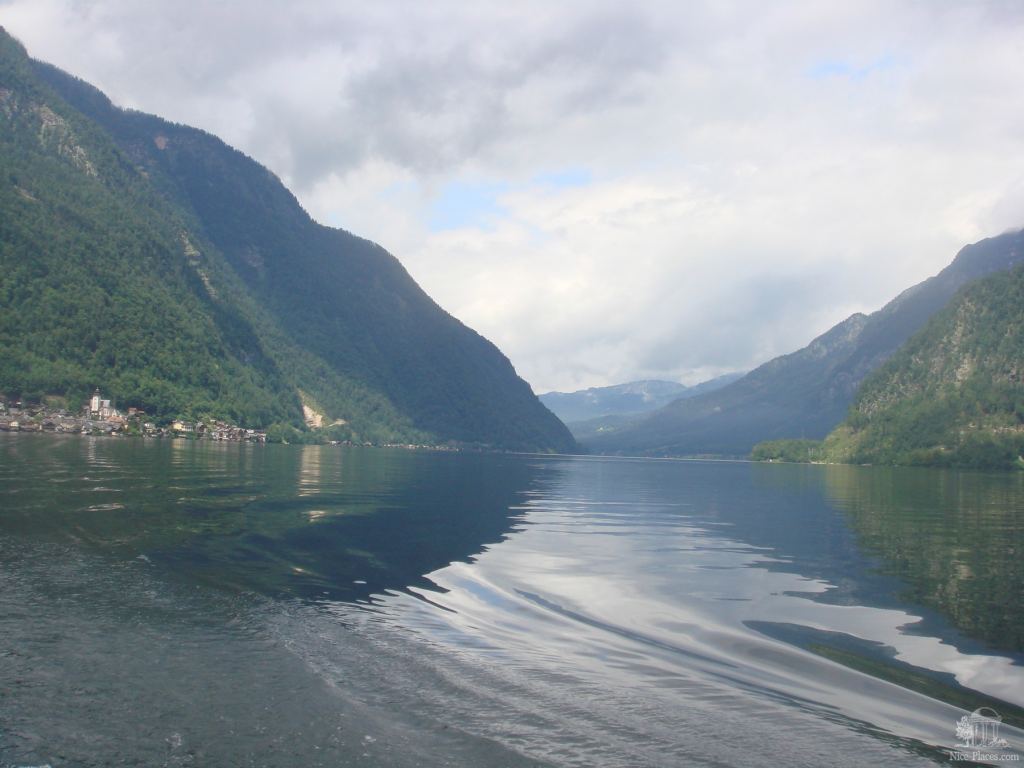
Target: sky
607 191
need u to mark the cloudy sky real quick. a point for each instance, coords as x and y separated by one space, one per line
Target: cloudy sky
608 191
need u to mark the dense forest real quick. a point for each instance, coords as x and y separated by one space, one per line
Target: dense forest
953 395
154 261
95 285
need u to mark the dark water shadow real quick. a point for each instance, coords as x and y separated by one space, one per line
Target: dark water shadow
314 522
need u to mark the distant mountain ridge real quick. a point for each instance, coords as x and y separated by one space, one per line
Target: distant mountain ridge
807 393
179 275
631 397
619 405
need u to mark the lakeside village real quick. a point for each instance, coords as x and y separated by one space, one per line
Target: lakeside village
99 417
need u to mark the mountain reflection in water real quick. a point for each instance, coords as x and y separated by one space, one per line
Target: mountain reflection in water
187 603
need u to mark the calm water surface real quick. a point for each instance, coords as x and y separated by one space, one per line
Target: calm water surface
178 603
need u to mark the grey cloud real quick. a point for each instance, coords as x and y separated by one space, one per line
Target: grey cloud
428 87
723 332
811 158
432 105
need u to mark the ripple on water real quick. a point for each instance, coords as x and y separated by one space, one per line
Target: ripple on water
329 607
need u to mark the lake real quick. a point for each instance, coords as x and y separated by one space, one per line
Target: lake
189 603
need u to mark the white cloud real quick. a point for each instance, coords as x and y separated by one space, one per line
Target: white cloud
747 174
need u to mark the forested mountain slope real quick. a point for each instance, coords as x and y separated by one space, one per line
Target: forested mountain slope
153 260
807 393
954 394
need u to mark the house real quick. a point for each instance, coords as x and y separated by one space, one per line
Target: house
101 408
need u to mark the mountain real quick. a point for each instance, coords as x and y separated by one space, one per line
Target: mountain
711 385
953 394
807 393
633 397
182 277
589 412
